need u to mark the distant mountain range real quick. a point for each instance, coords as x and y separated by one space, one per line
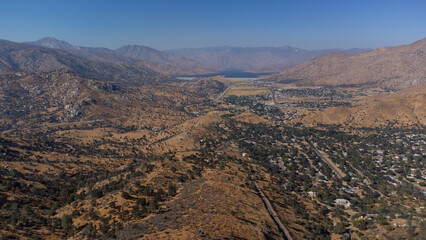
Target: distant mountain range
19 57
195 61
132 55
391 67
253 59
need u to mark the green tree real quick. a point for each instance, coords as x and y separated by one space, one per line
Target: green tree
126 195
171 189
340 228
66 222
153 204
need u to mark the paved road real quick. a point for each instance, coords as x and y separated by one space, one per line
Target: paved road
367 180
273 95
221 95
273 214
421 188
328 161
337 170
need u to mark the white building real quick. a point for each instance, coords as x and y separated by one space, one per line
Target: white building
343 202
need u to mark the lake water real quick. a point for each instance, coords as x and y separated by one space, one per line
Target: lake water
226 78
232 75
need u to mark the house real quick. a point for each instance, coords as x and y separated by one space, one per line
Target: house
343 202
399 223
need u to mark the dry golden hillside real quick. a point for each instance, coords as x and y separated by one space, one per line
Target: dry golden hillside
37 99
391 67
249 117
404 108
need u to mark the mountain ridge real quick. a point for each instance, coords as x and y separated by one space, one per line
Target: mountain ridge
130 54
28 58
196 60
389 67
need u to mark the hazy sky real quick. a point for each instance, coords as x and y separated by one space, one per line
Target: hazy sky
166 24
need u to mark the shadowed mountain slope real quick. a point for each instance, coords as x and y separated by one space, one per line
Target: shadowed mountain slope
26 58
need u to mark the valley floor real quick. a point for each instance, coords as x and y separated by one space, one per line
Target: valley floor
245 166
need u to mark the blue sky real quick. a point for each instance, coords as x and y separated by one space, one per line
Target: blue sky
166 24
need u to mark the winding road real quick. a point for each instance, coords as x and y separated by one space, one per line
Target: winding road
273 96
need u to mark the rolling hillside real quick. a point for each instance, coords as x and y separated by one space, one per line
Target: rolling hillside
391 68
404 108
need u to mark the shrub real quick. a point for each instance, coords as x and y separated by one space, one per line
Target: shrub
66 222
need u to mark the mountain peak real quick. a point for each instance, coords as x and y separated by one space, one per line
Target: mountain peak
52 42
48 38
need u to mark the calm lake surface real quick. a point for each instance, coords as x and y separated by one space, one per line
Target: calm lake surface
231 75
